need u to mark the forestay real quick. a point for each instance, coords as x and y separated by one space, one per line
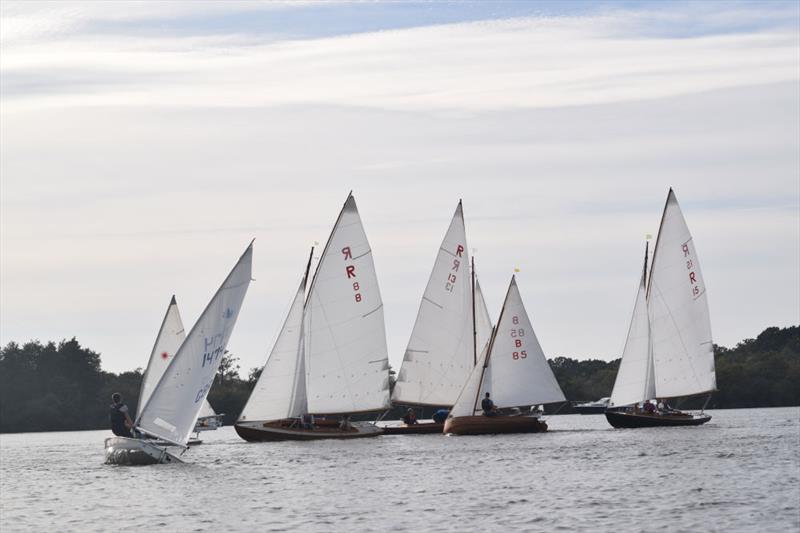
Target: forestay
172 409
280 390
635 380
169 339
518 373
683 351
347 365
440 353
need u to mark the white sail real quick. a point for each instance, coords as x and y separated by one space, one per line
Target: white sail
347 365
171 411
468 402
280 390
518 372
169 339
483 322
635 380
440 353
206 410
680 327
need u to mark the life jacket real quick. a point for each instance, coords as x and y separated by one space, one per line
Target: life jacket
117 419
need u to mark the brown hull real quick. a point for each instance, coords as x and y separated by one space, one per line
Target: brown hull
416 429
278 431
488 425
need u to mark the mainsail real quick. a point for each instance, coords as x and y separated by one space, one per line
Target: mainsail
280 390
483 322
346 358
169 339
518 372
683 352
635 380
466 403
440 353
171 411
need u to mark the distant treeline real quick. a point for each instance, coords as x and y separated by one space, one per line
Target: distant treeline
55 387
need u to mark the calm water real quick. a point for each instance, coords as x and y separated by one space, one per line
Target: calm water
740 472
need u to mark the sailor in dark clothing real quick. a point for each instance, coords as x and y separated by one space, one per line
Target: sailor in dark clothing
489 409
440 416
410 417
121 423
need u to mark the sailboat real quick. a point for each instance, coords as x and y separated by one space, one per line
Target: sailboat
668 352
330 357
169 339
172 407
452 322
513 368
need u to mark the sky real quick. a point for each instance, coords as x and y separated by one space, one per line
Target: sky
144 144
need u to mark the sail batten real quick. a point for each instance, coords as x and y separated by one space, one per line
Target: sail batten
171 411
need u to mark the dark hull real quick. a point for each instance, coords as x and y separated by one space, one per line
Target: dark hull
416 429
275 432
489 425
598 410
643 420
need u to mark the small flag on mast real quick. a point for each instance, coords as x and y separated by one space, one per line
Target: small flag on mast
516 270
648 236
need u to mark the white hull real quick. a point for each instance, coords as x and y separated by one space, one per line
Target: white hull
127 451
208 423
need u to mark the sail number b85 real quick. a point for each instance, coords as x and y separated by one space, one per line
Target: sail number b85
516 333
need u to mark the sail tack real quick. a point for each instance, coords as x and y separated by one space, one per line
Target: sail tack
635 379
346 358
518 372
172 409
683 351
280 390
440 353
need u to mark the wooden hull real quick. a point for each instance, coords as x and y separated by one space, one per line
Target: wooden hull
136 452
279 430
594 410
415 429
621 419
487 425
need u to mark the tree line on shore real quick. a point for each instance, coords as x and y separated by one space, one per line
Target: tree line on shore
61 386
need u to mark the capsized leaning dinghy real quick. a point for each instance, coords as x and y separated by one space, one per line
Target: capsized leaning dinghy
513 368
452 324
170 336
330 357
171 410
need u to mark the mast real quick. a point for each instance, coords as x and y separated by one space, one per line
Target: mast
483 369
670 194
474 324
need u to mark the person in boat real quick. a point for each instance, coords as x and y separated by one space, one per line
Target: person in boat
345 424
410 418
649 408
307 421
488 406
121 423
440 416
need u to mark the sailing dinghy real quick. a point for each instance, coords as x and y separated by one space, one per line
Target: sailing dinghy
173 404
330 357
452 322
169 339
668 352
513 368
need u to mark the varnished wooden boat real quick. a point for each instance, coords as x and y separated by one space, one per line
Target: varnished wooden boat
487 425
289 429
415 429
623 419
